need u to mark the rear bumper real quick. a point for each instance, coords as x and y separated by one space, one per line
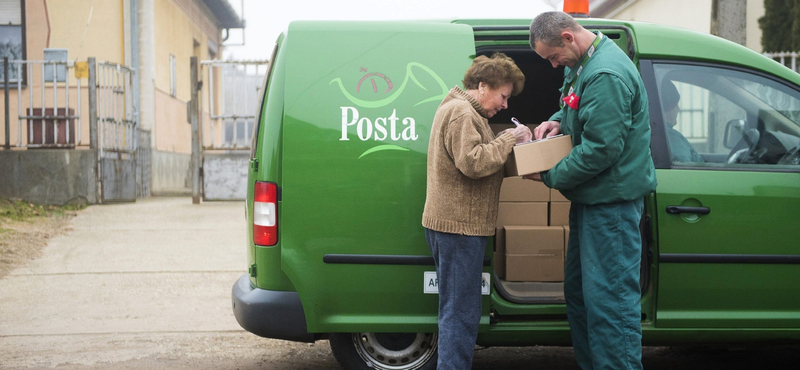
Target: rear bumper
269 313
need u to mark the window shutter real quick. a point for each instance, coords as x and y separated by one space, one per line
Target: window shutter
10 12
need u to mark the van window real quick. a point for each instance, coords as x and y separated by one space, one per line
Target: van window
722 118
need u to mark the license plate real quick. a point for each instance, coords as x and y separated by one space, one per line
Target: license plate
432 283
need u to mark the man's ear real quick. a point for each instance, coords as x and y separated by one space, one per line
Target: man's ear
568 36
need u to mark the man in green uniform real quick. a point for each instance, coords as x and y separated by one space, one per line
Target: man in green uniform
606 176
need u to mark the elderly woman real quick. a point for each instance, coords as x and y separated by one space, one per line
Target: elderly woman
465 163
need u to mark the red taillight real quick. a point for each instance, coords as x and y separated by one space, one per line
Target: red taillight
265 213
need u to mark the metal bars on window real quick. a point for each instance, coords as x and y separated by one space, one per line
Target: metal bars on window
233 93
50 115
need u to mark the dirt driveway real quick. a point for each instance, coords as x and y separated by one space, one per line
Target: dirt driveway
147 285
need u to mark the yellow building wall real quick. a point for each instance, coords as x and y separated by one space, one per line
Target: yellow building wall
91 28
61 24
88 29
181 30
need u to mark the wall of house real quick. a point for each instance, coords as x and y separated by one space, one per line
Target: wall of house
88 29
673 13
690 14
183 29
755 10
61 24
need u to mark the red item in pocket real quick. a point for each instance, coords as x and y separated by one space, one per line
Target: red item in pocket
571 101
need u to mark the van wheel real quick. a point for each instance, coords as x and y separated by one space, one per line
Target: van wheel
385 351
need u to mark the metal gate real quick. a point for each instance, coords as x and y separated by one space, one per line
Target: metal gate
231 90
56 107
117 133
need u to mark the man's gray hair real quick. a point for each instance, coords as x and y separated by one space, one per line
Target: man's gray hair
547 27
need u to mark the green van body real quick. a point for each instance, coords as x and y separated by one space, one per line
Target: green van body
343 130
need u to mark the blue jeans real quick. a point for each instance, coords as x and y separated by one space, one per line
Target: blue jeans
601 285
459 263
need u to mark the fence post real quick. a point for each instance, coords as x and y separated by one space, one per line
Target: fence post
5 90
93 132
193 104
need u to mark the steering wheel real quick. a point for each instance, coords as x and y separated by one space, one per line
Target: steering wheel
745 155
791 157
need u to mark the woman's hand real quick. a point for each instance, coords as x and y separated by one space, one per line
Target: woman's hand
547 129
522 133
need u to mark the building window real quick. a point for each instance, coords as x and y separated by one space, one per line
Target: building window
11 36
173 78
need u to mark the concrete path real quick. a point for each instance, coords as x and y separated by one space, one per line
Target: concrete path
147 285
130 267
158 271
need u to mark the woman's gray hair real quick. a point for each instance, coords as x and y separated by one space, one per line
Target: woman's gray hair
547 27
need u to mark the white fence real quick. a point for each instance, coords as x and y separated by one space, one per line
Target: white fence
787 58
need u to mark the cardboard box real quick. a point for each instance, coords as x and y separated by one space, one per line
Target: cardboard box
534 253
544 267
499 264
517 189
537 156
566 240
556 196
559 213
534 239
500 240
522 214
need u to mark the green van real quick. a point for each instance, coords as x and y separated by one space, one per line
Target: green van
336 189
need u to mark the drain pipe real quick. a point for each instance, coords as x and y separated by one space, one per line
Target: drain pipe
147 68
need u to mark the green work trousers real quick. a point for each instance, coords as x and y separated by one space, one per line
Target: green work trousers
601 285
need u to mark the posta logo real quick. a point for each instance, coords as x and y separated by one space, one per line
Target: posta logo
387 127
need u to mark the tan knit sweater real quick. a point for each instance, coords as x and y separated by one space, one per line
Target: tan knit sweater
465 163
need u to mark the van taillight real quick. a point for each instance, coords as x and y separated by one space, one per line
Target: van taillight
265 215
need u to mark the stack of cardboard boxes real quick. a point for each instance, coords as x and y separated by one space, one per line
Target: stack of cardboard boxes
533 220
532 231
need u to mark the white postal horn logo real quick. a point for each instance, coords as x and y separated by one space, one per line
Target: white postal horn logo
388 126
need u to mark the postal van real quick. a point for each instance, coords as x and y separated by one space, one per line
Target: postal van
336 189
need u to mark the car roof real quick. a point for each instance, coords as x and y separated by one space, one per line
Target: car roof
655 41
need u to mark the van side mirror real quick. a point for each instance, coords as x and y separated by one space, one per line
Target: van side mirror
734 131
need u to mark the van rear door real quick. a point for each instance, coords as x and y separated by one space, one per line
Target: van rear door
359 101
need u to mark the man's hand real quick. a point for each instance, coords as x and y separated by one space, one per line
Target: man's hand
547 129
534 176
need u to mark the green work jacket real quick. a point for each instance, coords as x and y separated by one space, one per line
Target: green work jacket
610 160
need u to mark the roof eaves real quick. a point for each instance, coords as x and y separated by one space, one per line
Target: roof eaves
226 16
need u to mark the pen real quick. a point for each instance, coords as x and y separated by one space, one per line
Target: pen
516 121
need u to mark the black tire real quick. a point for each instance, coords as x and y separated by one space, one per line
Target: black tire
385 351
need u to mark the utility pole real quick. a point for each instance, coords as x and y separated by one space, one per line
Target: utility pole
729 20
195 121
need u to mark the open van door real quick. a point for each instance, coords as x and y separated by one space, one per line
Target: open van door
359 103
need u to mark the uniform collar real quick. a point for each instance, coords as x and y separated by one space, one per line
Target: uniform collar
573 71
